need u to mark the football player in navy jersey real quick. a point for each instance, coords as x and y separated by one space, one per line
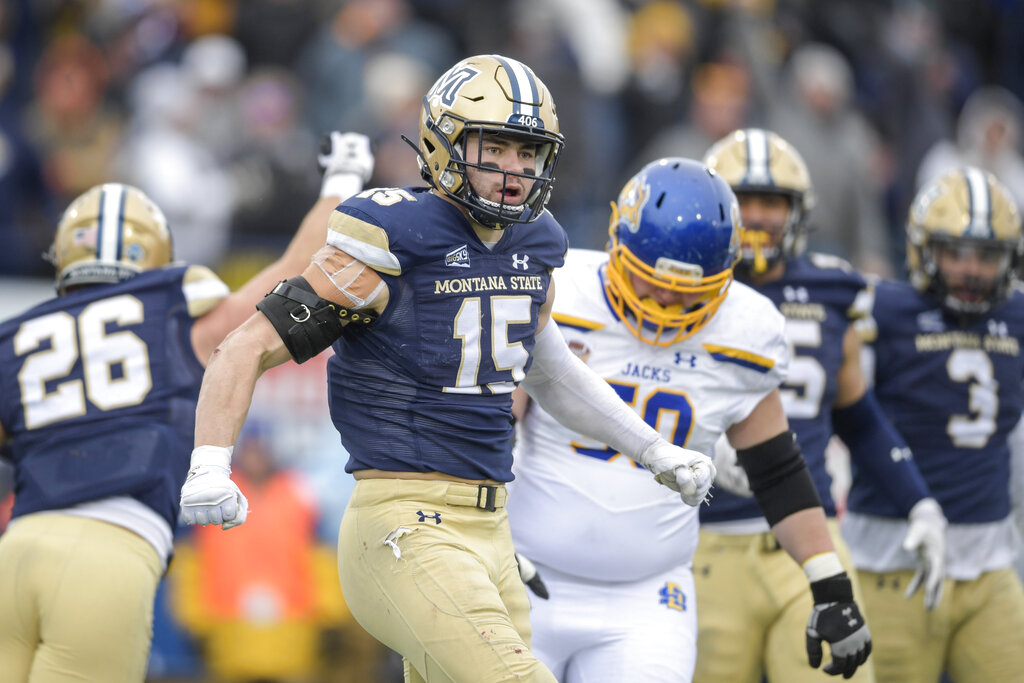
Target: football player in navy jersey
437 302
948 370
752 597
98 388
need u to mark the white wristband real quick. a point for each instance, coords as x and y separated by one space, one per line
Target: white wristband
212 455
823 566
342 185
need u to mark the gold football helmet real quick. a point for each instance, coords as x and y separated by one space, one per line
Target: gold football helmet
964 241
488 94
754 160
107 234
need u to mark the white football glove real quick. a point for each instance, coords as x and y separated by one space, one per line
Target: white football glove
208 495
688 472
926 538
346 163
729 474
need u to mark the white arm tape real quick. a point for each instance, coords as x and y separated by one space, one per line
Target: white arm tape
212 455
822 566
576 396
344 279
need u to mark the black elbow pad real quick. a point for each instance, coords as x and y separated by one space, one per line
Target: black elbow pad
779 477
306 322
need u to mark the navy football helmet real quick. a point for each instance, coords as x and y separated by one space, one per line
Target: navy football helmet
676 225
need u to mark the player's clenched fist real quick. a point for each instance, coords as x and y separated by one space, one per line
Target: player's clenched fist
208 495
688 472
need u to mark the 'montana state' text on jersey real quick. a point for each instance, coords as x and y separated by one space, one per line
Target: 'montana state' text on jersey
820 296
621 525
428 386
99 391
953 390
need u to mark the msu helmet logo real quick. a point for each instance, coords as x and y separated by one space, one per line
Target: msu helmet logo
447 87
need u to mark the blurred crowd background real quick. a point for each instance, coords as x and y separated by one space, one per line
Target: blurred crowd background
215 108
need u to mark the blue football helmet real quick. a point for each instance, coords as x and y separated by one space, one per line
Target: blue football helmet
675 225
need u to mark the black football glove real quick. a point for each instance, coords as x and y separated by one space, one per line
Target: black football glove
837 620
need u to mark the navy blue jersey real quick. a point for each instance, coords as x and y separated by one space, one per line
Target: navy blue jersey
99 391
428 386
820 296
953 390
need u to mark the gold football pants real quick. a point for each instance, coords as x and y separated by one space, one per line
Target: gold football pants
976 633
434 578
76 600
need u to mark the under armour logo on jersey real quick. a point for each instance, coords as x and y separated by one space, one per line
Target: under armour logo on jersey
436 516
998 328
931 321
790 293
672 596
898 453
680 359
518 263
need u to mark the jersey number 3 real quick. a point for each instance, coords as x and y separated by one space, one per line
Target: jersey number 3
115 365
974 366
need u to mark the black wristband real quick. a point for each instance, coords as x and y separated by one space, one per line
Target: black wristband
833 589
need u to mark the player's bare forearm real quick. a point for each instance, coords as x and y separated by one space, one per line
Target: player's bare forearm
804 534
230 379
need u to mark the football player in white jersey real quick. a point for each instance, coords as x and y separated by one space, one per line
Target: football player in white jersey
696 355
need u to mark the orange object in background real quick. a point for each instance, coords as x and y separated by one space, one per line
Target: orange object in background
6 506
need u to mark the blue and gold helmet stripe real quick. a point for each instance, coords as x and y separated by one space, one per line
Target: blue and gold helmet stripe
109 237
745 359
979 203
525 93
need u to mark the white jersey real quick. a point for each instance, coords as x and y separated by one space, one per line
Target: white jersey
588 511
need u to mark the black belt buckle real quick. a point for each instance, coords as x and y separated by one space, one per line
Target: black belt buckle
489 495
